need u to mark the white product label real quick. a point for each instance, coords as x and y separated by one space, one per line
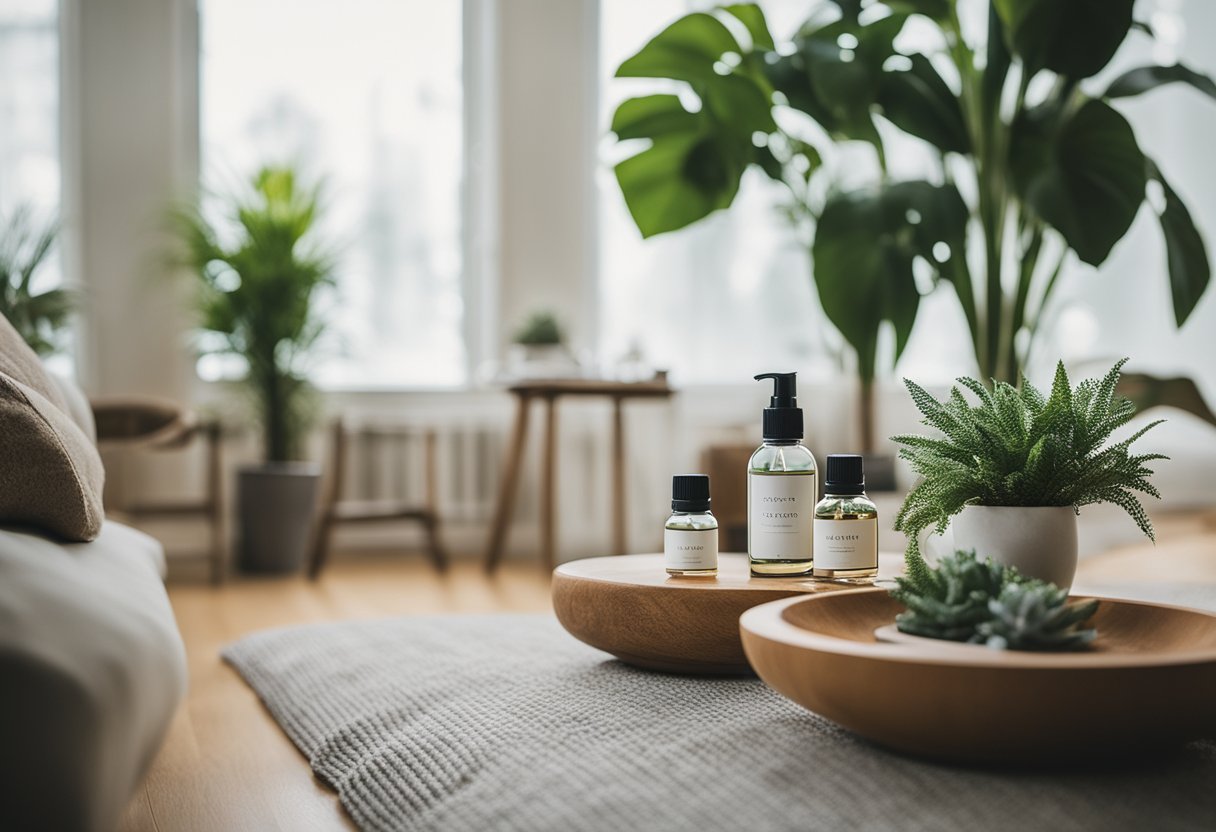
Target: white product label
689 550
780 509
846 544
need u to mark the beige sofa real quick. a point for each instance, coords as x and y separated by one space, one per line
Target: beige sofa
92 668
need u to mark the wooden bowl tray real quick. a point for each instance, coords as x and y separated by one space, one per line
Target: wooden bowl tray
630 607
1149 680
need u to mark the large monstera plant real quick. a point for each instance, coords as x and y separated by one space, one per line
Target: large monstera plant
1037 168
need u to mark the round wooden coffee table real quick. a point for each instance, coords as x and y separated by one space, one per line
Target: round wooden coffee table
630 607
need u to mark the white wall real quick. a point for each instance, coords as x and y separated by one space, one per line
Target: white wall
129 110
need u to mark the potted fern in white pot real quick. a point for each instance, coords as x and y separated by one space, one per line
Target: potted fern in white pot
1009 473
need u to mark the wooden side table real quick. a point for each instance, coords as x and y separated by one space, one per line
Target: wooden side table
549 391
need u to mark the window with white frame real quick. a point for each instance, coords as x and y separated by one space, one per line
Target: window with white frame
29 105
367 95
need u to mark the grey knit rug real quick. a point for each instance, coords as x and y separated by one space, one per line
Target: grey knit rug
507 723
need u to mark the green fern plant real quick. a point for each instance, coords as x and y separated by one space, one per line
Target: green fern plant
1016 446
982 602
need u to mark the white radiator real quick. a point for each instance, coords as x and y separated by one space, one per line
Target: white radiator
388 461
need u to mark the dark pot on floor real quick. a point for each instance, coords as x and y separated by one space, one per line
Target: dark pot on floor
276 507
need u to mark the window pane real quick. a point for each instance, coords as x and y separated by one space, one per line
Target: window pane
725 298
29 133
29 110
367 94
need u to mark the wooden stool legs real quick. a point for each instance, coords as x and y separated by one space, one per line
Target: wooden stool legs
431 520
325 525
215 501
509 483
548 482
618 476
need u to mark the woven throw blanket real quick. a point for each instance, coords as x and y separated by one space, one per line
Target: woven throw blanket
508 723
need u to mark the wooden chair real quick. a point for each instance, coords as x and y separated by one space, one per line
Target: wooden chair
135 423
336 509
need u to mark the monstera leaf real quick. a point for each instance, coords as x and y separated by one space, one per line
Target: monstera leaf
865 245
685 51
1145 78
696 157
1186 255
843 62
918 101
1075 38
1084 175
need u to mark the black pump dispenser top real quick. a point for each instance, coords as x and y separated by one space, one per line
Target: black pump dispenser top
783 417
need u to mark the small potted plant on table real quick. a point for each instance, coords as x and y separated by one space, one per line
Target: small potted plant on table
539 348
1010 472
257 283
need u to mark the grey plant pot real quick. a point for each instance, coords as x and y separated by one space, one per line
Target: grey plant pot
276 507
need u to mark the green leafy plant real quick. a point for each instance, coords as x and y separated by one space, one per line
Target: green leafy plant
1049 166
950 601
257 280
1019 447
39 317
982 602
540 329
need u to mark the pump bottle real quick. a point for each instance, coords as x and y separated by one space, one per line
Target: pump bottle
782 488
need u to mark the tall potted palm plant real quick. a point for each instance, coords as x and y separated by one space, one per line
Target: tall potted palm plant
257 274
1050 168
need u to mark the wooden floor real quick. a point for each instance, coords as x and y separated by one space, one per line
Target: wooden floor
226 765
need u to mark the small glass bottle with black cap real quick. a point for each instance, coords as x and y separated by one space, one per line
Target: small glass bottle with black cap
846 524
690 536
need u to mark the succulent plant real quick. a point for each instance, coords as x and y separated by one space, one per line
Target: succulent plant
1035 616
951 600
965 599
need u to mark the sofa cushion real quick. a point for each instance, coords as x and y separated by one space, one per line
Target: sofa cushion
92 669
78 405
51 475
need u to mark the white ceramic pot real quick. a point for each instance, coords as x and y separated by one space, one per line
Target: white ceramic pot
1040 541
